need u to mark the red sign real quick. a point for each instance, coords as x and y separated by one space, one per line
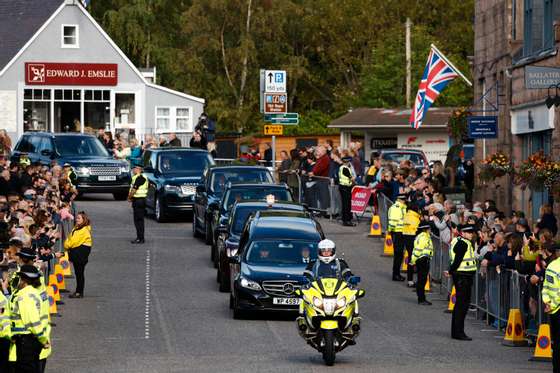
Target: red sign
360 199
275 103
47 73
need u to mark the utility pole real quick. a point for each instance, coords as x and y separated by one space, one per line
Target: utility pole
408 63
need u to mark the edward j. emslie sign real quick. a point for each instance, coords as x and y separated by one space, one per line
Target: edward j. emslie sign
541 77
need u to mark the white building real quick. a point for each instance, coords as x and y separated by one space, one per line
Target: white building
59 71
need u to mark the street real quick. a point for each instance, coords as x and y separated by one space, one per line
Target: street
156 308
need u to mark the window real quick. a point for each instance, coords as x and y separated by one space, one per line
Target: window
538 29
70 36
173 119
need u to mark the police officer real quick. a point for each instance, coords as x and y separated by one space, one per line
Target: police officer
396 224
345 182
5 333
137 195
421 257
462 269
551 300
410 227
28 332
70 174
327 264
26 255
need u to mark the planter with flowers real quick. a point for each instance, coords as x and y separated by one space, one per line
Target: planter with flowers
537 172
494 166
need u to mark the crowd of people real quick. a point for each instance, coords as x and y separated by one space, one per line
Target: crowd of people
35 202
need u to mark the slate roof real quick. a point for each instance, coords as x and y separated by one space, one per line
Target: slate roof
387 118
19 21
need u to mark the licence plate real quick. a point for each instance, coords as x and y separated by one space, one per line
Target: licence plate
287 301
107 178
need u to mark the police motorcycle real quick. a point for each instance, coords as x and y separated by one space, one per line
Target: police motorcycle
329 320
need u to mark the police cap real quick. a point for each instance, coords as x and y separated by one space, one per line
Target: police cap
26 253
401 196
468 228
424 225
28 271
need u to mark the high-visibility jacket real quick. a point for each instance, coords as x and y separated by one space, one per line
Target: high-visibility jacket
5 322
142 191
468 264
411 222
45 317
72 177
423 247
25 313
551 286
528 255
396 217
78 237
342 179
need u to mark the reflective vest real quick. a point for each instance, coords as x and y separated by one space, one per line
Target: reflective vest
411 222
25 313
551 286
142 191
342 179
423 247
469 261
396 217
45 318
5 329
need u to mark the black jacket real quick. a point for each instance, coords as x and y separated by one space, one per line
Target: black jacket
337 268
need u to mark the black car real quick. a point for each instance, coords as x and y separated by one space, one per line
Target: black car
173 174
243 192
96 170
211 188
228 235
274 249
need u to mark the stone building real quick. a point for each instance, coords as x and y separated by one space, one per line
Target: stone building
515 62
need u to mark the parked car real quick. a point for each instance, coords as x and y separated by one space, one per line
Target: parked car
417 157
274 249
228 234
173 174
211 188
243 192
96 170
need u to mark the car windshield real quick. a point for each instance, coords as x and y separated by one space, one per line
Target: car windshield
80 146
285 252
180 162
221 177
416 159
257 193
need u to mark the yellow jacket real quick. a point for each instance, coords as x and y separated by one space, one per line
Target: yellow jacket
411 222
78 237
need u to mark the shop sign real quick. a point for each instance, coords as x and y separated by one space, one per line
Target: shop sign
483 127
383 143
434 145
48 73
540 77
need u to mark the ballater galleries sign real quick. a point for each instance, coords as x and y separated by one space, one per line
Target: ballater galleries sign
48 73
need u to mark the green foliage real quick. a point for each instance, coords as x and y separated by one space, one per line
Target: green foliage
338 54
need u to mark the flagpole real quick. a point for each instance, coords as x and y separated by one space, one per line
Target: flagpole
452 66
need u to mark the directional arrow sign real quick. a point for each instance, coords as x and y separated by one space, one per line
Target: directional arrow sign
286 119
275 81
273 130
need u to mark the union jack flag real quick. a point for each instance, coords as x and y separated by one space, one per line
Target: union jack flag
437 75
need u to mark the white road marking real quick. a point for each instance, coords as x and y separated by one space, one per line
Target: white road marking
147 307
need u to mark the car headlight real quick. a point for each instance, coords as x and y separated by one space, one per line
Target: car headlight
249 284
83 171
172 188
125 169
341 302
317 302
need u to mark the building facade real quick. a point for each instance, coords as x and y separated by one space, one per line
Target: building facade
60 71
515 64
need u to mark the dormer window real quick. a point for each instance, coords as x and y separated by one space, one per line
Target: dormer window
70 36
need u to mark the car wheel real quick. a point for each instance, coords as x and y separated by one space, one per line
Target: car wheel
195 232
120 196
208 236
214 254
238 314
231 301
224 282
159 211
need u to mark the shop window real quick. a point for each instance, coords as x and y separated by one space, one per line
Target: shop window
96 116
538 29
36 115
182 119
124 109
163 119
70 36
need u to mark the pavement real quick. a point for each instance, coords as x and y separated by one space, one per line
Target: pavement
156 308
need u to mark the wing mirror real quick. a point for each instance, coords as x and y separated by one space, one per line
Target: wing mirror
361 293
354 280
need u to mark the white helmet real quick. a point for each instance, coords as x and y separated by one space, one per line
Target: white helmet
326 245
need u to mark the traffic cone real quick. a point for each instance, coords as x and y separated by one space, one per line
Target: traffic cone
65 264
543 351
515 334
428 287
52 301
375 226
452 300
56 291
388 249
58 272
404 266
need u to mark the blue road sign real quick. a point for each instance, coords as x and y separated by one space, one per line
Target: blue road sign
483 127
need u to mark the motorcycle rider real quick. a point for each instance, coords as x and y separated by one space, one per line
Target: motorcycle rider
327 265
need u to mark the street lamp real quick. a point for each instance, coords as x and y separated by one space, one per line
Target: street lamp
550 101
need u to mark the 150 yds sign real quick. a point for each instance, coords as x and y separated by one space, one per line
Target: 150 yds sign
47 73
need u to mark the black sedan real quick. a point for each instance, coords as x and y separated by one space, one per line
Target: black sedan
274 249
173 174
243 192
211 188
228 235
